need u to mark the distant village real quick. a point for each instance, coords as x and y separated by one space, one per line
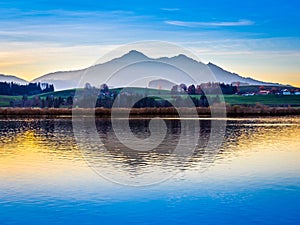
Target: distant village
264 90
273 92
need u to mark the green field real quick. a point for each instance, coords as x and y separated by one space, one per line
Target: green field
148 91
271 100
263 99
5 100
62 94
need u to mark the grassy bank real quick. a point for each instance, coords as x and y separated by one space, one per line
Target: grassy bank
258 110
269 100
5 100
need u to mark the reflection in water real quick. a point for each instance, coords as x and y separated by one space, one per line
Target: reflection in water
31 140
42 166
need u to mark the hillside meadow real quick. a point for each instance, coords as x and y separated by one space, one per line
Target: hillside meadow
236 104
268 100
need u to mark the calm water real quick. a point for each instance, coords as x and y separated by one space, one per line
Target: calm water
47 178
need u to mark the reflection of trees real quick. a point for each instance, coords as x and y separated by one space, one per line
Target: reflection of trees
56 137
139 127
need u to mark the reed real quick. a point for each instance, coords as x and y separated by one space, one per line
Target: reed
236 110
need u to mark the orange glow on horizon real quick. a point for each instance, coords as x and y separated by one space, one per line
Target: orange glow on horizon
28 65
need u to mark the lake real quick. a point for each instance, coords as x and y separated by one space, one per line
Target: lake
49 175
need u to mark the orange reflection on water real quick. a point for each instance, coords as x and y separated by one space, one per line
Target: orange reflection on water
252 147
32 157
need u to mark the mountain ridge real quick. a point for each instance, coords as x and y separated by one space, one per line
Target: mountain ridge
177 69
12 78
213 67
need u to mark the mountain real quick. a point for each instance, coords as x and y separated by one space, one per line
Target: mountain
228 77
10 78
161 84
136 69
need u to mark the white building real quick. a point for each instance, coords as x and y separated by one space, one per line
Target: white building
286 92
297 92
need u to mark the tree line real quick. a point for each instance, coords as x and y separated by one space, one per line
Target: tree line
48 102
13 89
205 89
201 95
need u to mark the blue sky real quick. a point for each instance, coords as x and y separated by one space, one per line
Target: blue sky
253 38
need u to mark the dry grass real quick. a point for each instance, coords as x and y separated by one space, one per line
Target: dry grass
261 110
237 110
34 111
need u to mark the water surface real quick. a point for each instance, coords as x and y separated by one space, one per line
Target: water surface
46 178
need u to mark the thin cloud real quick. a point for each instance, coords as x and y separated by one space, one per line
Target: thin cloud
60 12
210 24
170 9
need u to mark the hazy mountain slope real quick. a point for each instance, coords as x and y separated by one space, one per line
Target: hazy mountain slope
135 65
10 78
95 75
161 84
228 77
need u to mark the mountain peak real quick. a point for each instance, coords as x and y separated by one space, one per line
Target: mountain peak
134 55
184 59
181 56
65 80
135 52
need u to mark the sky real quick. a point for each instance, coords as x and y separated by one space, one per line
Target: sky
257 38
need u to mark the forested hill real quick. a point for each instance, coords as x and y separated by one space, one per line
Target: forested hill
14 89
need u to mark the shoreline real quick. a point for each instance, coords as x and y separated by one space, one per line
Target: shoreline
233 111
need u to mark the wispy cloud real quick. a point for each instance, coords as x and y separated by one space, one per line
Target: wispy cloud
170 9
210 24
